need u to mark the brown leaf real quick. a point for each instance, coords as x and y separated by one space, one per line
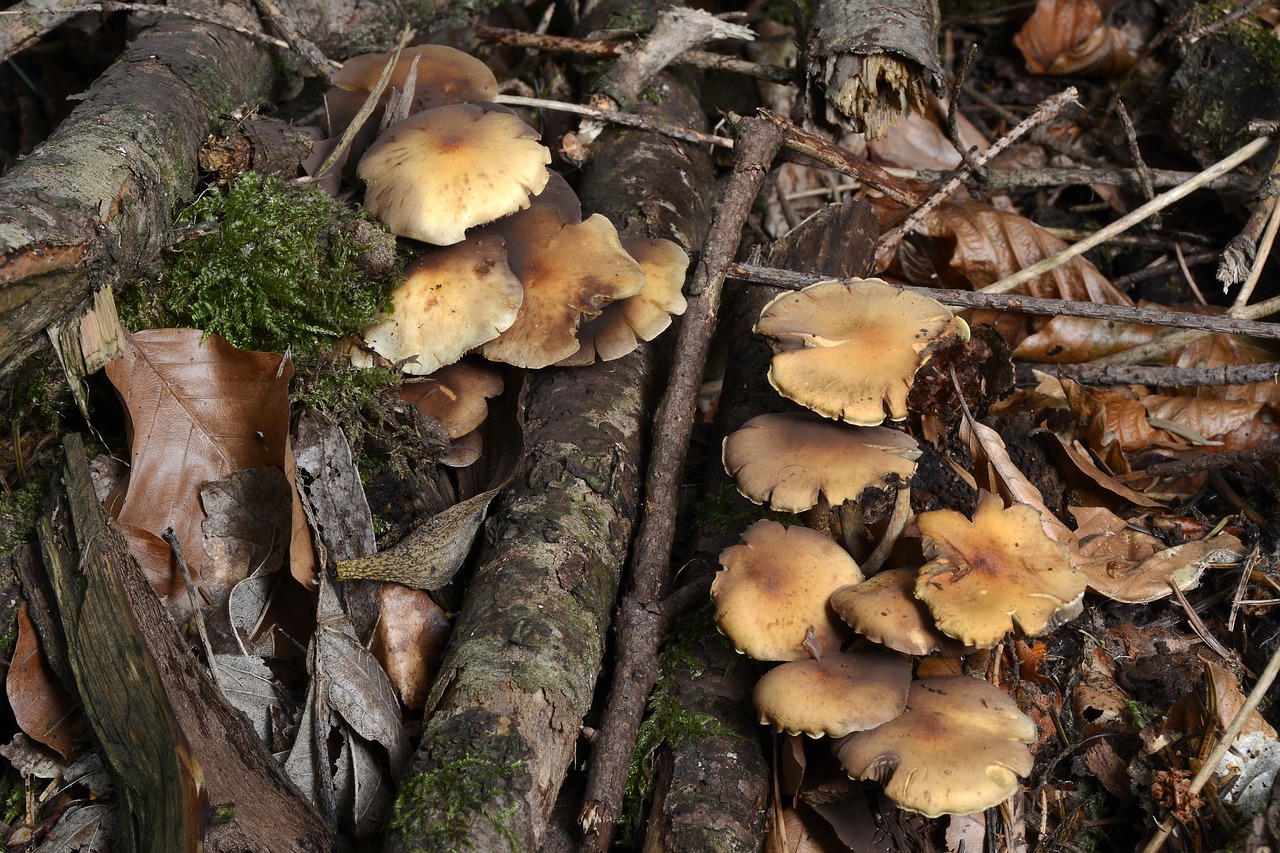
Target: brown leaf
198 411
409 641
42 706
1068 37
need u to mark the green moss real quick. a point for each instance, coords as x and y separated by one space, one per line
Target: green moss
724 512
15 801
18 513
462 787
274 276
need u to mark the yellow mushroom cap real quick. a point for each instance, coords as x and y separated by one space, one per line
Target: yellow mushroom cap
994 573
885 610
444 170
452 300
959 748
455 395
849 350
776 587
787 459
836 695
445 75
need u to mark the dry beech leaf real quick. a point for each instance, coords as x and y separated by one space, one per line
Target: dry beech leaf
1068 37
248 517
1079 460
42 706
198 410
1075 340
918 141
409 641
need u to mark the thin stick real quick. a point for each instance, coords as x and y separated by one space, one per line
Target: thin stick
172 539
1264 251
618 117
640 626
1220 751
1042 305
1131 137
1123 224
1045 112
953 121
1159 375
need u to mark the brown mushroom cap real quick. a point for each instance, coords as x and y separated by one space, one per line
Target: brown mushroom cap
885 610
451 300
849 350
836 695
456 395
787 459
776 587
624 324
445 75
958 749
447 169
568 272
1000 570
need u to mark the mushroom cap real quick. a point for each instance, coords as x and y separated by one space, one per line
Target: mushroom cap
455 395
836 695
624 324
999 571
787 459
447 169
452 300
445 75
568 272
885 610
559 195
776 587
850 349
958 749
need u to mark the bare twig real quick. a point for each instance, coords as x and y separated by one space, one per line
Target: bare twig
1224 744
1125 223
1159 376
603 49
1046 111
973 164
640 614
1135 153
1226 459
1038 305
282 20
618 117
1243 247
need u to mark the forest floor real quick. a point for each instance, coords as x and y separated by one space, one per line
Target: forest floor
532 656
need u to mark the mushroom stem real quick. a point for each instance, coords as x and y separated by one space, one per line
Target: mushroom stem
897 523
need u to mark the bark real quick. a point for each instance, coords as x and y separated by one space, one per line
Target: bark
92 206
509 702
190 772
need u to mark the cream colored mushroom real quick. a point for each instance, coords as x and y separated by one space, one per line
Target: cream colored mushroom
788 459
836 695
885 610
456 395
849 350
447 169
445 75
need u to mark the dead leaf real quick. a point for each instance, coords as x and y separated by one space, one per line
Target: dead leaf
246 527
409 641
1068 37
248 684
198 411
43 707
1077 459
85 828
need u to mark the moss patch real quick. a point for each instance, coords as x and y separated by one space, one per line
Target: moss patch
435 808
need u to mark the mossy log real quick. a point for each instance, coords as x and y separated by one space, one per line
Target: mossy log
507 708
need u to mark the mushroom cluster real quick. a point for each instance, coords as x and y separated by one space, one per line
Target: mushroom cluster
849 351
513 269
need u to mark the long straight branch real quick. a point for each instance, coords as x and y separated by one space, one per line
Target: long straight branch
641 622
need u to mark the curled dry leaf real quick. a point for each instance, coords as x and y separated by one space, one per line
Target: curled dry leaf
41 705
1068 37
409 641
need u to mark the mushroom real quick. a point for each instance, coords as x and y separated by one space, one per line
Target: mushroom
884 610
624 324
456 396
568 272
452 300
787 459
772 596
959 748
849 350
836 695
445 75
999 571
447 169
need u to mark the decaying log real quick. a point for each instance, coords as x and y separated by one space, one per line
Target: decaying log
190 772
529 642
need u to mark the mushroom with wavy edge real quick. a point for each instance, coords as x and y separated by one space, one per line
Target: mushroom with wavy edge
445 76
836 695
884 610
568 272
959 748
452 300
624 324
985 577
775 589
447 169
456 396
849 350
787 459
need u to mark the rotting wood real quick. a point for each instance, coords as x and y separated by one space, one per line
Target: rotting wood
191 774
516 683
640 626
